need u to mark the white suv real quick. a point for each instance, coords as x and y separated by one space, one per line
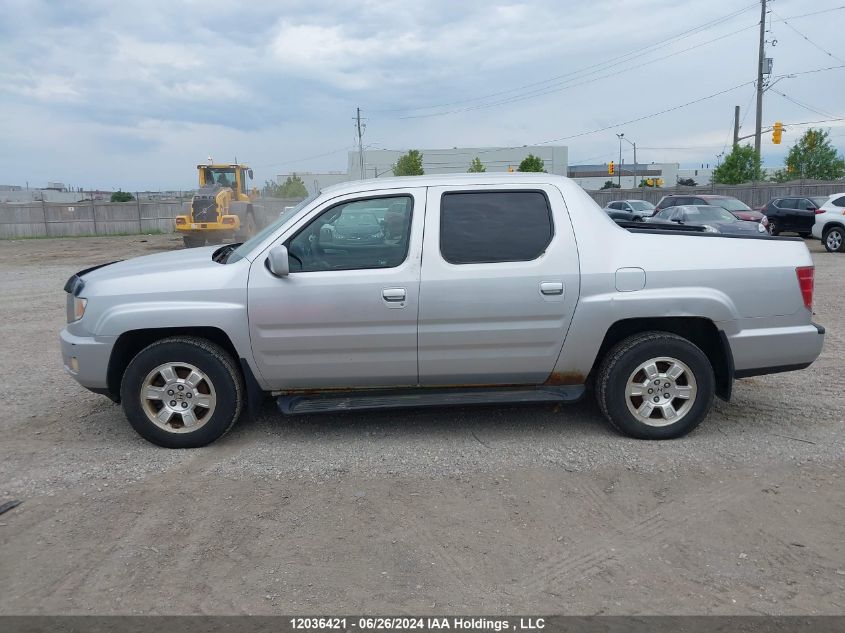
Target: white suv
830 223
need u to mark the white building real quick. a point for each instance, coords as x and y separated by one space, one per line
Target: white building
379 163
315 181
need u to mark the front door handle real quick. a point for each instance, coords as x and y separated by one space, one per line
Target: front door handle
551 287
393 294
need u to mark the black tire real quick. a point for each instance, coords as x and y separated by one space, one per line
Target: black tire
832 236
805 235
192 241
219 370
621 364
774 229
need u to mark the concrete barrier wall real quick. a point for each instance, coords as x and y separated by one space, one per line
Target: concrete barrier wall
50 219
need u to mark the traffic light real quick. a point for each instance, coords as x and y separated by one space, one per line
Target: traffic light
611 168
777 132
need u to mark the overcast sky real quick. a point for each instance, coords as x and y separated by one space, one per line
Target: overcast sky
106 94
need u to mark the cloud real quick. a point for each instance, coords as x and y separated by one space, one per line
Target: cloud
143 90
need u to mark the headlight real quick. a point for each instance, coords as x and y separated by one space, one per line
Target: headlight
761 228
78 308
710 229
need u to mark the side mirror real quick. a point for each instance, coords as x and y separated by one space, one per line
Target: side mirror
278 262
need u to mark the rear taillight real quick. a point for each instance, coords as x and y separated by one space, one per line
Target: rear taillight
817 211
805 276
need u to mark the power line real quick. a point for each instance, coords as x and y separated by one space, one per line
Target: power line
806 15
801 104
648 116
841 118
599 66
809 41
567 85
809 72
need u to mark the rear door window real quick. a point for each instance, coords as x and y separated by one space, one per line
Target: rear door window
839 202
494 226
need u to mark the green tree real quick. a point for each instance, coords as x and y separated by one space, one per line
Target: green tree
409 164
271 189
687 182
293 187
532 163
476 167
813 158
122 196
609 184
741 165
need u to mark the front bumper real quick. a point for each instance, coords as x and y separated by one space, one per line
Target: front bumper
86 358
227 223
770 350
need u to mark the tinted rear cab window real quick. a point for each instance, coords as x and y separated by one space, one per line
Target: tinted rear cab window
494 226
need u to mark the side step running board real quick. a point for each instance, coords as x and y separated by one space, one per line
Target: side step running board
398 398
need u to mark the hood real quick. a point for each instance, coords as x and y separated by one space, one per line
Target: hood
755 216
179 261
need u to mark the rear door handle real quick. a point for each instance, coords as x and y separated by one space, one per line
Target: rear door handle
551 287
393 294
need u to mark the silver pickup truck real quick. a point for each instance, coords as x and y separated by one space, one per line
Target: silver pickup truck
439 290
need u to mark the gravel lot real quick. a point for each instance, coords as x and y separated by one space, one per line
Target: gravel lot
470 510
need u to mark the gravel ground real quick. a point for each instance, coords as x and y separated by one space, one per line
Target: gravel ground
470 510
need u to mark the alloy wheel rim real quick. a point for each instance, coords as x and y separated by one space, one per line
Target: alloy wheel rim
661 391
178 397
834 240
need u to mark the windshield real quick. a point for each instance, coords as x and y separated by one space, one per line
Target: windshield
640 205
241 251
357 219
709 214
818 201
731 204
223 176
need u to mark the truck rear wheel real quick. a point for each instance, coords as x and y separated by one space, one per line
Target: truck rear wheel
182 392
655 385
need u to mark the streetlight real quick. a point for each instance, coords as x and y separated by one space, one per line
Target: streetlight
621 136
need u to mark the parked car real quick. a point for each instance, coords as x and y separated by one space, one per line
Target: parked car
639 209
795 215
504 288
741 210
625 216
830 223
715 219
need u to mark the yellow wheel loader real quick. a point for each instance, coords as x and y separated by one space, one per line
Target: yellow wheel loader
222 208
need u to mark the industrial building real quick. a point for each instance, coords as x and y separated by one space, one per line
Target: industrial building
379 163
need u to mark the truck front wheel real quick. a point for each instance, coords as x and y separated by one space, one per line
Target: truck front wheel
655 385
182 392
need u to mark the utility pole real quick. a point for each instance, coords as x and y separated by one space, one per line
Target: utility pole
736 126
760 59
619 181
361 147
